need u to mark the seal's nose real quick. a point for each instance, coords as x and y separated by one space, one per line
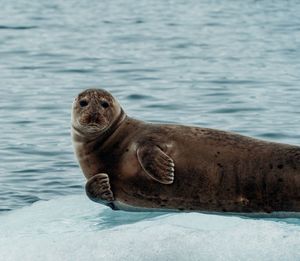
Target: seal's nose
83 103
94 117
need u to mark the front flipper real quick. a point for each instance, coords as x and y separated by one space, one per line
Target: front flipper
98 189
157 164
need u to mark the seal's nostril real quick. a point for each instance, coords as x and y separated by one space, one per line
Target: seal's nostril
83 103
104 104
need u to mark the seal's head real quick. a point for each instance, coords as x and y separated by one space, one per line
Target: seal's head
94 112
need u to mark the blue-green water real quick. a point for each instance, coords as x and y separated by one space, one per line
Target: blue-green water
231 65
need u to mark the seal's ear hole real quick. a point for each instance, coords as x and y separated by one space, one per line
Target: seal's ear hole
104 104
83 103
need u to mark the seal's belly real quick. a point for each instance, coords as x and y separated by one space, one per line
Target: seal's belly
119 205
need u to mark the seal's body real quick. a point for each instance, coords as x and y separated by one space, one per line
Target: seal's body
133 165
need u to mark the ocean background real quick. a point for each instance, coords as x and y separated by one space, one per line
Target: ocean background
230 65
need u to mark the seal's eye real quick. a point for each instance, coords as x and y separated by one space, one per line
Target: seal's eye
83 103
104 104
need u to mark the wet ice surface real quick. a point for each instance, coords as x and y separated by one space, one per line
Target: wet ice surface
74 228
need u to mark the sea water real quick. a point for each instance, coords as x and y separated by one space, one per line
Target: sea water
228 65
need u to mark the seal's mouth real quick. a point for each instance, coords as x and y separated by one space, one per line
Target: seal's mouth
77 129
88 128
93 124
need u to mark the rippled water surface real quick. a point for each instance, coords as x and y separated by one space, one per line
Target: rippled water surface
232 65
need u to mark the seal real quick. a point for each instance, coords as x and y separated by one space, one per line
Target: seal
134 165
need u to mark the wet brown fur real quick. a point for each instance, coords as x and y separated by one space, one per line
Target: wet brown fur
214 170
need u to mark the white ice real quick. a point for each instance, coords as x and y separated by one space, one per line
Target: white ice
74 228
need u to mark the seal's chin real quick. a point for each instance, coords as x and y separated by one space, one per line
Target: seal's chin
92 129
